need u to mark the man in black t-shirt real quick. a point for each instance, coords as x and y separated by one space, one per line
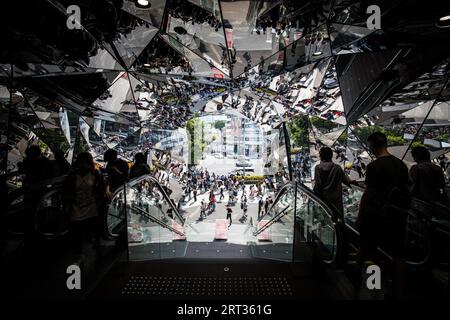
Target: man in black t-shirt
386 183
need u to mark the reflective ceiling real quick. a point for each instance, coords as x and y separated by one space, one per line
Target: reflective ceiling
128 69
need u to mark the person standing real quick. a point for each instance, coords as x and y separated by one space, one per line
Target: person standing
229 212
266 205
85 194
117 169
383 209
426 179
244 208
195 194
36 168
260 206
328 179
202 210
221 192
213 203
139 167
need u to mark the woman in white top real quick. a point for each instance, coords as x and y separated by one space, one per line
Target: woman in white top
85 196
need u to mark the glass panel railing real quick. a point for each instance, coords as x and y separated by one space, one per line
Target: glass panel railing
316 224
116 215
154 225
274 231
351 198
51 219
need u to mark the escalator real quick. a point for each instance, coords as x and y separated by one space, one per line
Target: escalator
427 230
336 241
45 200
273 236
155 227
51 220
299 222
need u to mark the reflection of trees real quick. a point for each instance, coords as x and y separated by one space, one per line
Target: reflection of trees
394 137
444 137
219 124
320 123
196 141
80 145
298 129
52 138
343 137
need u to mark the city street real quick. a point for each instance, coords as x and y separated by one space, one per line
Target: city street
227 165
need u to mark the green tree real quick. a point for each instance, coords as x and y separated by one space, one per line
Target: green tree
444 137
323 124
194 127
298 129
53 138
219 124
394 138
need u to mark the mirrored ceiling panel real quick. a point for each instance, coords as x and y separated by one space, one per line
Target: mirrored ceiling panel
200 31
200 67
309 48
152 14
249 42
346 39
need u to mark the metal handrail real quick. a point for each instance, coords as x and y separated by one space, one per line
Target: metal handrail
271 221
279 194
156 220
165 195
415 214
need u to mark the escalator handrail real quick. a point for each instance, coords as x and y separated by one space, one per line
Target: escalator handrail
271 221
48 184
156 220
165 195
279 194
412 213
437 205
328 210
330 213
121 188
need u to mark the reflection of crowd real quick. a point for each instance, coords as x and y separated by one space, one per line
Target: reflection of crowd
427 132
198 181
301 164
189 12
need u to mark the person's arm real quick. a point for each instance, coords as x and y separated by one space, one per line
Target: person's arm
441 182
317 179
345 178
362 207
364 198
413 174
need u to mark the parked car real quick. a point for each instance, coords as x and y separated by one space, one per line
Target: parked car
243 164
